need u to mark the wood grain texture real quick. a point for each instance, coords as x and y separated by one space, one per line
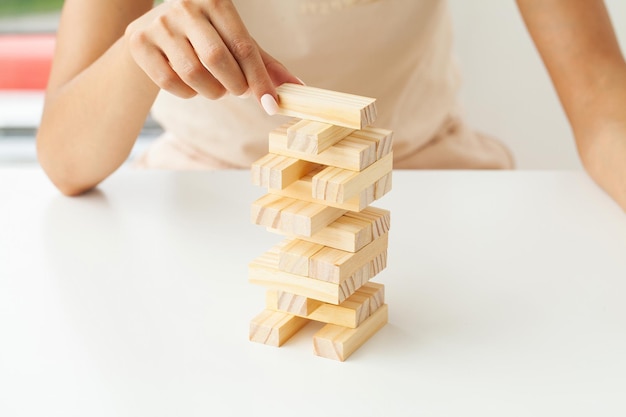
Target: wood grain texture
322 173
274 328
376 294
302 189
352 231
382 186
339 342
313 137
382 137
334 265
264 271
295 254
379 218
290 303
278 171
334 184
351 313
378 264
356 152
293 216
326 106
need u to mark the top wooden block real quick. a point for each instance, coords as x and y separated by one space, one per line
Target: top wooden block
340 109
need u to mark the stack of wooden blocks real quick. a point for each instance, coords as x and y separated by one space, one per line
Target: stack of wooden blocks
323 170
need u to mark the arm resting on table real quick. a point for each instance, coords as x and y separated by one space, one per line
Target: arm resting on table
576 41
97 97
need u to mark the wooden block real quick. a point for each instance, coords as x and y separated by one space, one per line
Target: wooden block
295 254
380 219
378 264
309 218
278 171
344 233
334 265
355 310
302 190
291 303
338 342
356 152
274 327
352 231
334 184
376 294
382 186
314 137
267 210
382 137
351 313
264 271
293 216
326 106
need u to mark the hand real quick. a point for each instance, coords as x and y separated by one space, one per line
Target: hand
190 47
601 137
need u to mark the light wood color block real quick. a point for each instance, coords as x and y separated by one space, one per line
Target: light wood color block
264 271
355 310
376 294
295 254
326 106
314 137
302 189
378 264
293 216
356 152
339 342
352 231
292 303
351 313
379 218
275 327
382 137
278 171
382 186
334 184
344 233
334 265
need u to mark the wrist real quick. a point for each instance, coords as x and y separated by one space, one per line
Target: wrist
140 80
603 155
600 130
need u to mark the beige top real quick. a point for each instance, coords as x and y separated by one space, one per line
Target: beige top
397 51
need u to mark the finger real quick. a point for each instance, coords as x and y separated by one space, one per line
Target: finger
154 63
215 55
278 73
260 83
184 61
228 24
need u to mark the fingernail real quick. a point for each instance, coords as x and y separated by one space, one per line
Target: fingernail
269 104
246 94
301 82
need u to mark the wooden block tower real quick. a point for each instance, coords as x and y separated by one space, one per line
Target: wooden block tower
324 169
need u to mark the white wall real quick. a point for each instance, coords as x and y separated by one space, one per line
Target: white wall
506 89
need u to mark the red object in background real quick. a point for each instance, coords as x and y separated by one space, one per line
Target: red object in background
25 61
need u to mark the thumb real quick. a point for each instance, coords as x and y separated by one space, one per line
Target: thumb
278 73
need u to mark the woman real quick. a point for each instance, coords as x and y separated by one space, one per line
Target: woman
114 57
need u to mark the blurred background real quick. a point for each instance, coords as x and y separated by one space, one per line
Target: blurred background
20 94
506 91
27 31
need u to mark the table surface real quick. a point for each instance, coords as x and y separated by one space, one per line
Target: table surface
505 290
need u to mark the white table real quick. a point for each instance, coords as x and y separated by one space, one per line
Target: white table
507 297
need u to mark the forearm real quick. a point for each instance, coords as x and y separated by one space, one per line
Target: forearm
90 123
576 41
111 59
